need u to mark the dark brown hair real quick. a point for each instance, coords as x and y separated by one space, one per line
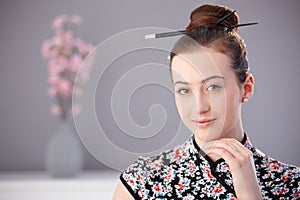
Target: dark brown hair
204 30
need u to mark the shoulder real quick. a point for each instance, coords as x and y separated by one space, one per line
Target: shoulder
274 166
147 170
282 178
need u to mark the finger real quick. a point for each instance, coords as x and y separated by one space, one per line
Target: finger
223 153
232 145
233 152
221 147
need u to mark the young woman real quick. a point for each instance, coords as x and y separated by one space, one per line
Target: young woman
211 78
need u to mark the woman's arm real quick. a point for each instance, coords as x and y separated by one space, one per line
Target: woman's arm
121 193
240 161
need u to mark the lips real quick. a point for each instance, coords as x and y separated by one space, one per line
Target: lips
204 123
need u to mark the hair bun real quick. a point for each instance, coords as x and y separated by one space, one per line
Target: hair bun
207 16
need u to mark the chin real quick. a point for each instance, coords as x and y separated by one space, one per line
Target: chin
207 135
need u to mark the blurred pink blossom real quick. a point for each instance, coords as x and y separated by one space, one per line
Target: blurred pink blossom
46 48
64 88
75 62
57 41
65 54
56 110
68 38
75 19
58 22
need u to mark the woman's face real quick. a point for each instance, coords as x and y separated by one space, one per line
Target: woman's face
208 94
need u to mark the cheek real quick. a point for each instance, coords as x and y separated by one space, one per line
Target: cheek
218 103
178 105
232 103
184 108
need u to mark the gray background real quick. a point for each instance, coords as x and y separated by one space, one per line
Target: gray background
270 118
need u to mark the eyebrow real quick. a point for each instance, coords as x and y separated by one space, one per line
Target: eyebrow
211 77
203 81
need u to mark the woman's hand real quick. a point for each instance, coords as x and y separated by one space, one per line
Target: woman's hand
240 161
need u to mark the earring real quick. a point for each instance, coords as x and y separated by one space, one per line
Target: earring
245 100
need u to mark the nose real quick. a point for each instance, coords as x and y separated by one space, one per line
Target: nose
203 102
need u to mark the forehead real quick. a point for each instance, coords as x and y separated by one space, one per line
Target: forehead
198 65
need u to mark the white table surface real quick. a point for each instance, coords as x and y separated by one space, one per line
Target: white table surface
89 185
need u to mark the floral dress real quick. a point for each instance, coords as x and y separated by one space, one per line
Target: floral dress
185 172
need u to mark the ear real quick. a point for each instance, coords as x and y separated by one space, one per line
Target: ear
247 88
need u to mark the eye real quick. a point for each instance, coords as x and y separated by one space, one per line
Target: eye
212 87
183 91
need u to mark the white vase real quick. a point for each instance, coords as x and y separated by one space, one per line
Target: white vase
64 156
